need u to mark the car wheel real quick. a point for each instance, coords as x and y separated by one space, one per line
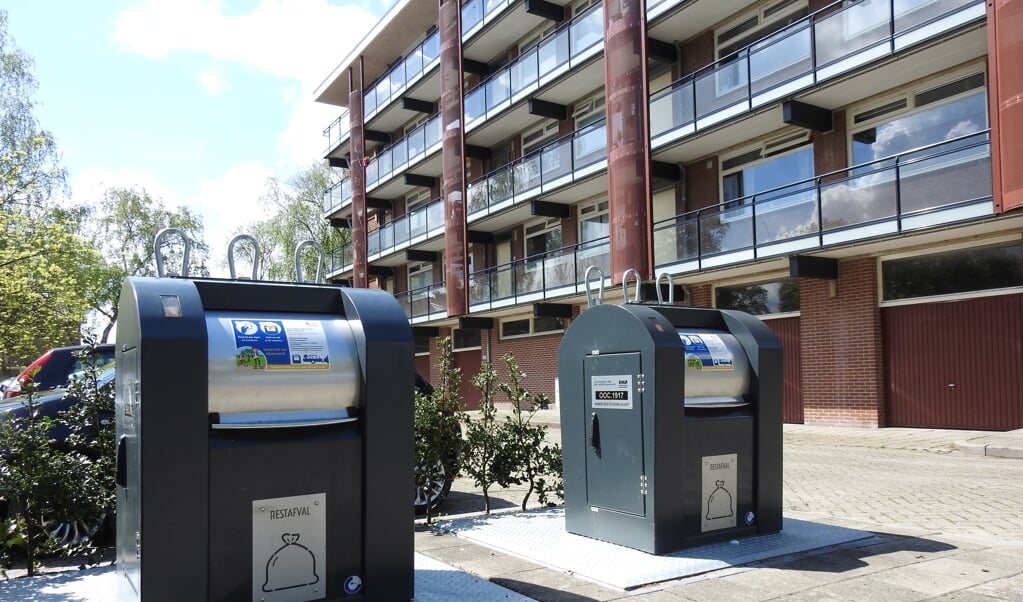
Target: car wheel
433 495
75 532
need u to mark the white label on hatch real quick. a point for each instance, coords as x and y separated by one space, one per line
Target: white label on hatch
612 392
289 548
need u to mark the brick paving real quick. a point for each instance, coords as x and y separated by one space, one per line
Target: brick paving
947 525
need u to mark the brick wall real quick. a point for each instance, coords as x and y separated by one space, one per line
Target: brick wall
842 375
536 356
701 184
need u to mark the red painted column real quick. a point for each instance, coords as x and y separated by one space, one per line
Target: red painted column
452 157
628 165
1005 101
358 174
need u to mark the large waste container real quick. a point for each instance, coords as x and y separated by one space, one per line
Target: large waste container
671 426
264 442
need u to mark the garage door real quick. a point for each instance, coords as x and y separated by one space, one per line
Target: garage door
787 331
955 365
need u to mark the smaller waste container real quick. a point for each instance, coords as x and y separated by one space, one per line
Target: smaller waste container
671 426
264 442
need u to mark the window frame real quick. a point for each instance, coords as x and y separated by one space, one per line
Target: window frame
789 143
454 338
769 278
951 248
532 328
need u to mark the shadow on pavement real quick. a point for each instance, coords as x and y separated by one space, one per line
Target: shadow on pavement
539 592
855 557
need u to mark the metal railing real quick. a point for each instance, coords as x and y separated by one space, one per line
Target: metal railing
429 302
403 231
556 273
404 153
475 12
826 43
925 187
555 165
338 195
337 132
564 49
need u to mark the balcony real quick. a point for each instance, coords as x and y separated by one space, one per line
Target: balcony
337 197
559 273
402 77
405 153
566 49
424 304
339 260
477 14
928 187
566 161
337 133
826 44
415 227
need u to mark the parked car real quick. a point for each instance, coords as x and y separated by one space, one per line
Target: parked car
53 368
50 404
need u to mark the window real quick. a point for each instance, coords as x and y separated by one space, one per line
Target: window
524 327
465 338
536 137
542 238
420 276
589 111
737 35
969 270
919 118
422 345
762 298
777 164
593 222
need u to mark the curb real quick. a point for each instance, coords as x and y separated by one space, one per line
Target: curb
989 449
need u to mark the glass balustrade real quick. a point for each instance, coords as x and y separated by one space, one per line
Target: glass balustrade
337 132
425 302
402 230
339 259
556 165
338 195
824 44
928 186
392 84
404 153
547 275
552 56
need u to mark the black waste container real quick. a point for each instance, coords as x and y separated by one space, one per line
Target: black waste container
671 426
264 442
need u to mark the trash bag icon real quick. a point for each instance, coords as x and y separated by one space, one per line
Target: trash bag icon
292 565
719 504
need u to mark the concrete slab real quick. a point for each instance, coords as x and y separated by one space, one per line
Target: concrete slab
434 582
540 536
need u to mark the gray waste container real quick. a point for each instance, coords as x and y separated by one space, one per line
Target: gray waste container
264 442
671 426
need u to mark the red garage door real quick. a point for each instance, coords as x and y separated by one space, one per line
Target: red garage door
955 365
787 330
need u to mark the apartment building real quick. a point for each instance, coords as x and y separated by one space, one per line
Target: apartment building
848 171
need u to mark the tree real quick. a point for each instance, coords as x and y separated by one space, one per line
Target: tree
296 214
122 227
29 170
48 274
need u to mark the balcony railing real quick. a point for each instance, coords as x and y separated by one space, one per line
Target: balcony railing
426 303
567 160
392 84
408 151
337 132
339 259
656 8
557 53
930 186
554 274
823 45
476 13
415 226
337 196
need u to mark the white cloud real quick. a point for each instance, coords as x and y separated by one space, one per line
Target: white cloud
90 183
297 40
212 80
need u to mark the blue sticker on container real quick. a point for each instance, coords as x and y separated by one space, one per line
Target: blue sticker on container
280 345
750 517
707 352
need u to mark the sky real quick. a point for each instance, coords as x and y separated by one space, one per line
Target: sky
198 102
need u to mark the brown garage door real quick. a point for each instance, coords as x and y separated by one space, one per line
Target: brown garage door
955 365
787 330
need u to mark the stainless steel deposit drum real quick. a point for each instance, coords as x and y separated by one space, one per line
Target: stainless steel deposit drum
716 369
279 369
